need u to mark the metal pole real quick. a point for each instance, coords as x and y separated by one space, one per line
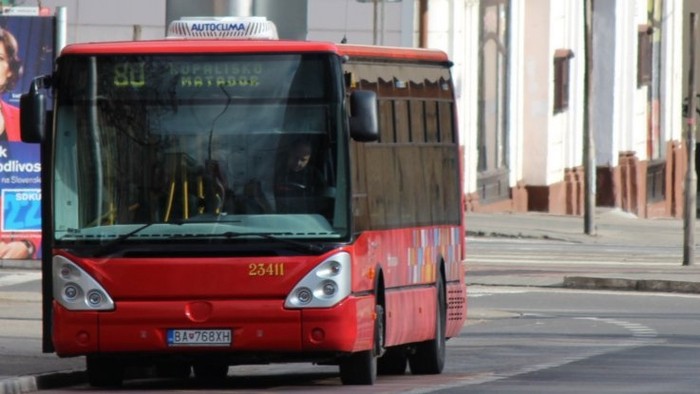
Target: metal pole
375 22
423 23
690 211
61 28
589 168
382 20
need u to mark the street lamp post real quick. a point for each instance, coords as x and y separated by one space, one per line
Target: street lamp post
588 140
690 211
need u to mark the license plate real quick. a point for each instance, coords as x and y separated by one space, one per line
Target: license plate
200 337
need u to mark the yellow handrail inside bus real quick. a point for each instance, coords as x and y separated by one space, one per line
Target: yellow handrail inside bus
179 167
200 193
171 195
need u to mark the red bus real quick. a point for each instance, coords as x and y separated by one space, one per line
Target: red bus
211 202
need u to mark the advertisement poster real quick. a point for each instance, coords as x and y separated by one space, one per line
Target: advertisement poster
27 51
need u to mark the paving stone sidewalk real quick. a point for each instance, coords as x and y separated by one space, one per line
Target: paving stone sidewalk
612 227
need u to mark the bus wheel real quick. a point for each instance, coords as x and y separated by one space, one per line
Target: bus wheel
361 368
210 371
104 372
429 356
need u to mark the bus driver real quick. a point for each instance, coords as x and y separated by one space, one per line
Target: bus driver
297 182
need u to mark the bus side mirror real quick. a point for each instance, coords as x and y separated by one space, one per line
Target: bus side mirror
363 116
32 115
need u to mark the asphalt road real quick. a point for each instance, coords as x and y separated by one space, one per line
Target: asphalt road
521 340
517 339
563 341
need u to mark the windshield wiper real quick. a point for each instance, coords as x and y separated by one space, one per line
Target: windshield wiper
107 248
303 246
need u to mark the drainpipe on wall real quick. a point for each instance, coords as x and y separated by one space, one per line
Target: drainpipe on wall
61 28
423 24
136 33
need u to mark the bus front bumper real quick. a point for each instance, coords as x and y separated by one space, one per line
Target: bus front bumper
255 326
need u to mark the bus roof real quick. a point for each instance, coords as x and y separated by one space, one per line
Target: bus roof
198 46
370 51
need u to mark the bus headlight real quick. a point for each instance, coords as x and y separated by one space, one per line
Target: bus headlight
326 285
95 298
71 292
303 296
76 290
328 288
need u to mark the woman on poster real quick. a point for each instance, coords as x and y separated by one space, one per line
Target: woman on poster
10 74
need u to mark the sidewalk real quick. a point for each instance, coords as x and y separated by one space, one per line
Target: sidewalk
613 228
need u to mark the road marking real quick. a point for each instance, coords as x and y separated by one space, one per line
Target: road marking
493 377
638 330
642 336
549 260
484 291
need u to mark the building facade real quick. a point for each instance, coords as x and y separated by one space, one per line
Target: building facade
524 116
520 69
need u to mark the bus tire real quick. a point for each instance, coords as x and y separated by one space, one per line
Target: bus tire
429 356
104 371
360 368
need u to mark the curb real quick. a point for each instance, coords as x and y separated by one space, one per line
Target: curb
648 285
21 264
51 380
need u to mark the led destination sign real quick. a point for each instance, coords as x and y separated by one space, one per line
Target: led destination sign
217 76
192 75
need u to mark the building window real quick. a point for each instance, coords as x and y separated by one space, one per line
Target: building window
562 60
493 131
644 52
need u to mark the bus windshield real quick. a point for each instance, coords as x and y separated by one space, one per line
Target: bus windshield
171 147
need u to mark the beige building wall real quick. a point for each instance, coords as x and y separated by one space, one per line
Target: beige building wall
105 20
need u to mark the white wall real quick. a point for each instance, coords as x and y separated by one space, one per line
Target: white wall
603 97
636 14
466 72
626 112
575 28
537 107
105 20
516 93
671 70
621 114
331 20
551 142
